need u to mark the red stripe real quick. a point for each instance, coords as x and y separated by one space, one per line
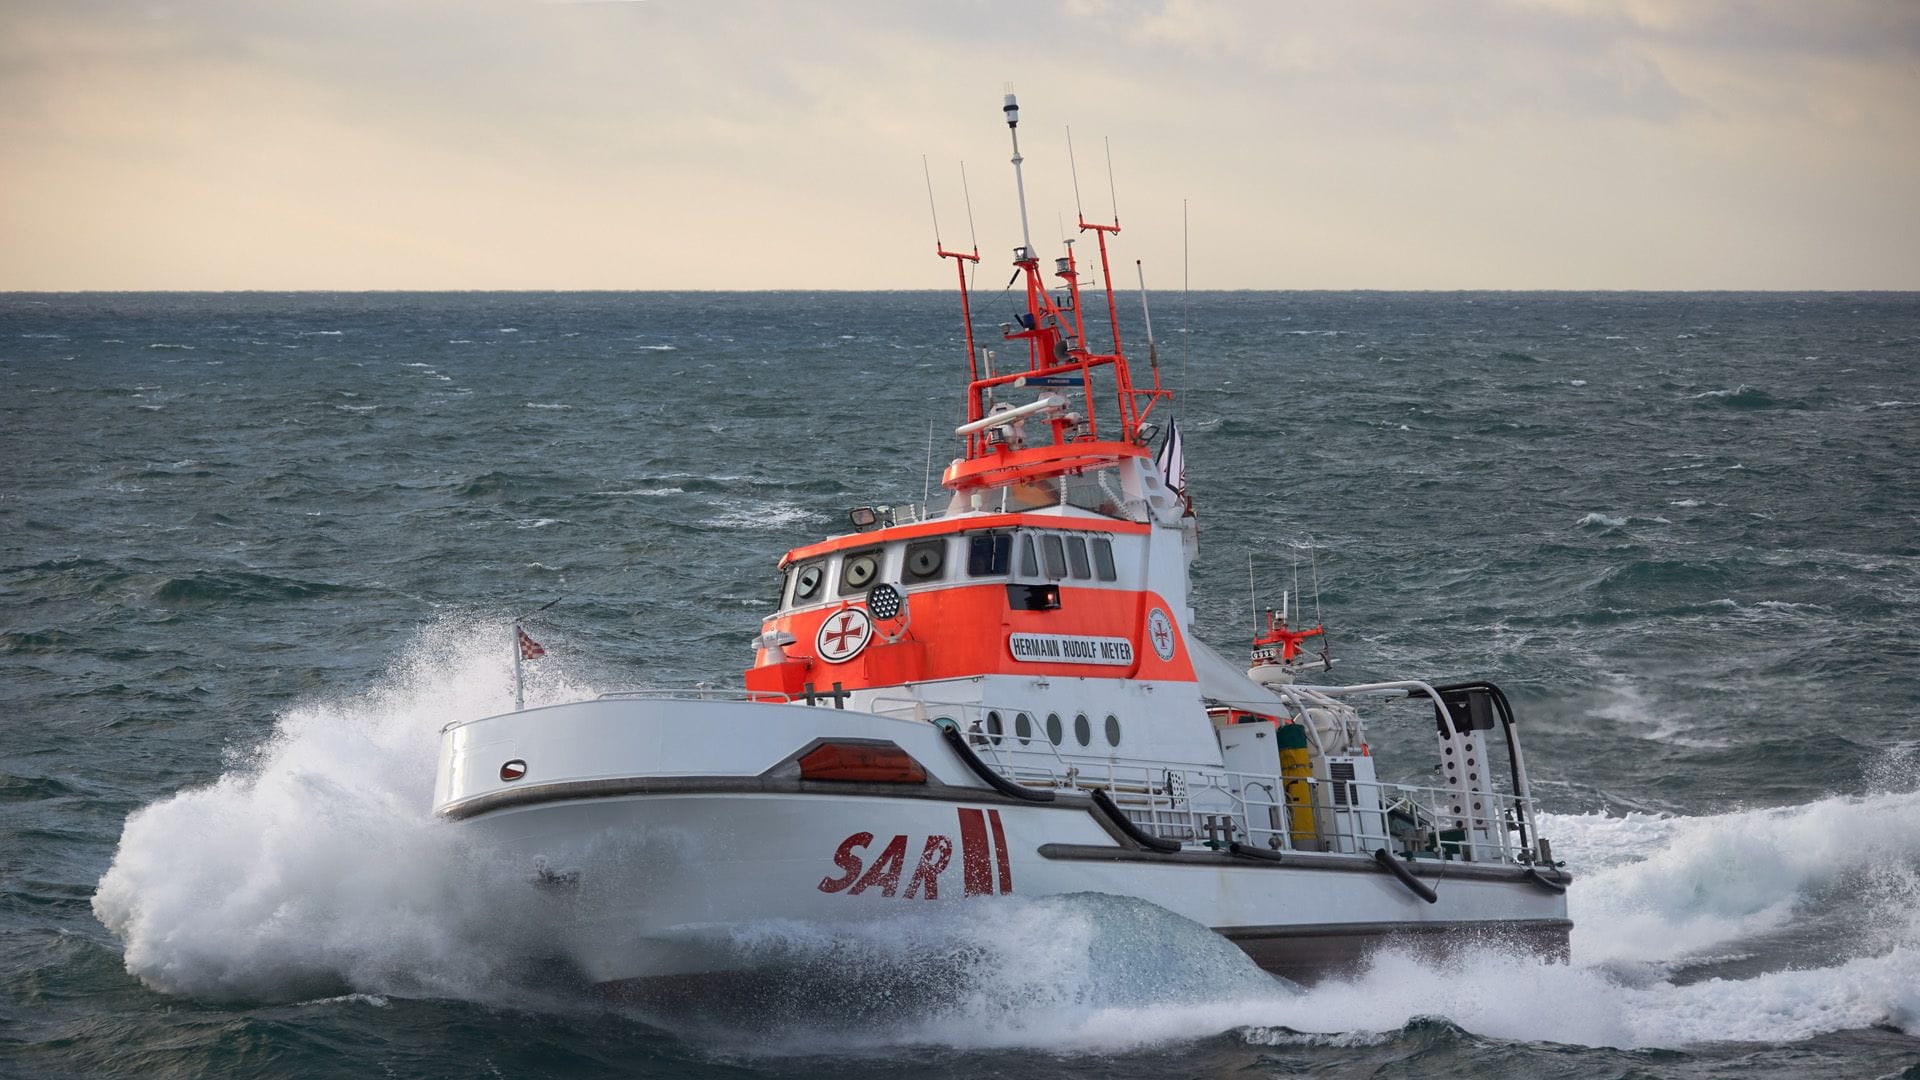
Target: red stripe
1000 853
976 874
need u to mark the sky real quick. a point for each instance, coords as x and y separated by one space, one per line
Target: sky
739 144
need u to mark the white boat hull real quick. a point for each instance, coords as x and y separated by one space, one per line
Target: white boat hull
662 833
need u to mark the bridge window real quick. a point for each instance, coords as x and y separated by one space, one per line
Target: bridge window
1077 557
1029 562
1103 559
989 554
859 571
809 581
1055 554
926 560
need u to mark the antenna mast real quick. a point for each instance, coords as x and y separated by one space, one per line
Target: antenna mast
1012 109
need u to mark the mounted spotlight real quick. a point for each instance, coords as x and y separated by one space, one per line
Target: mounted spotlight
1148 432
863 518
885 602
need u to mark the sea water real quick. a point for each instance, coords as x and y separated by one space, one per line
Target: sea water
256 549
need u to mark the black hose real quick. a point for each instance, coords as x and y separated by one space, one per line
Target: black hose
988 773
1545 882
1505 708
1392 865
1105 804
1248 851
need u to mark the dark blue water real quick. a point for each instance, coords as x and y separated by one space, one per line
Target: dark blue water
255 549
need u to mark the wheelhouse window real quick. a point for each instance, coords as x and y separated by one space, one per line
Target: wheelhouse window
1103 559
926 560
1029 562
989 554
809 581
1054 552
859 570
1077 557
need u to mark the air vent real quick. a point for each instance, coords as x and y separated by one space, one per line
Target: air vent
1341 773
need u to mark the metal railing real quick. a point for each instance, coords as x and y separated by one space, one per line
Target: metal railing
1212 806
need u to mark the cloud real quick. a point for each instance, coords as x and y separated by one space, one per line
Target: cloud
1549 143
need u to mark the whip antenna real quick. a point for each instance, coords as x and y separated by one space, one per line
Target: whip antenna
971 235
931 209
1183 267
926 489
1074 168
1253 595
1112 199
1153 354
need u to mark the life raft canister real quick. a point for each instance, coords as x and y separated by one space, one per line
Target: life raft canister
1296 771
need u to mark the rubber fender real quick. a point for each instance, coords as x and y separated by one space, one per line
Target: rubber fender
1106 806
986 772
1248 851
1414 885
1545 882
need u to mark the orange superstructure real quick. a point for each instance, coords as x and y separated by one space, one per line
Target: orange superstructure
1042 563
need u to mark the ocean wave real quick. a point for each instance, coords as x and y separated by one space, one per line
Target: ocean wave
314 865
314 869
234 586
1744 397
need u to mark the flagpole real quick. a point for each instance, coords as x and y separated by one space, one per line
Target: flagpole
519 687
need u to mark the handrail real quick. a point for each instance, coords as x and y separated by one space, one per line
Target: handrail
697 693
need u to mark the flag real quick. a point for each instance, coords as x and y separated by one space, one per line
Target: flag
1172 461
529 648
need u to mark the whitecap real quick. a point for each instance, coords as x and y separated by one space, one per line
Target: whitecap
644 491
541 405
1597 518
1578 382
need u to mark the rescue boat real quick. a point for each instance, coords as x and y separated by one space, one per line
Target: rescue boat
1000 694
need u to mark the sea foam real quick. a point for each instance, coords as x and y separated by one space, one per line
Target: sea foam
314 867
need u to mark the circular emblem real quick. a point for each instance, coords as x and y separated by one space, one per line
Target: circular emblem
843 635
1160 633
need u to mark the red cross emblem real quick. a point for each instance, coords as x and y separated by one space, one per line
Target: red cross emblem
1160 629
843 635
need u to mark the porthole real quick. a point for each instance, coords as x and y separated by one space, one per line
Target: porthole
1054 734
1023 728
994 729
926 560
1113 730
806 584
1082 730
859 571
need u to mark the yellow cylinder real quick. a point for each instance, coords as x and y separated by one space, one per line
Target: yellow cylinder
1295 772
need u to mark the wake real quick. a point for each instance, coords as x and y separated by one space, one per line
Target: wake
314 867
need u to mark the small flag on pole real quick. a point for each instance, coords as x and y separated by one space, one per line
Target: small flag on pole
529 648
1172 461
